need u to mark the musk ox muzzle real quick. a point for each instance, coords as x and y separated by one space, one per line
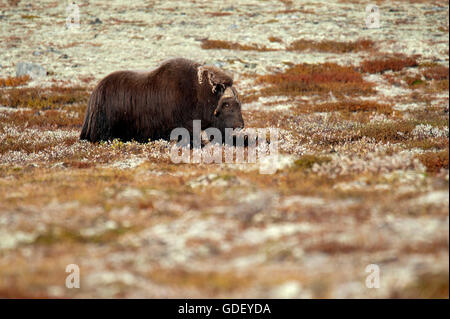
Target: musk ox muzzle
148 105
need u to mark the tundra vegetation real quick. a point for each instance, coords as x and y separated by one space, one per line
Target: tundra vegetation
362 176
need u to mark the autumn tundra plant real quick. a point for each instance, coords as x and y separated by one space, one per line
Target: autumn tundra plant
229 148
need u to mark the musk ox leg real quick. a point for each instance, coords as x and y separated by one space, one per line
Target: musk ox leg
96 126
84 130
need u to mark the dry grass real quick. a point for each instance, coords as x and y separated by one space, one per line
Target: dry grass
441 86
138 23
429 80
287 3
30 147
312 79
12 41
308 161
14 81
13 3
435 161
58 236
436 73
275 39
427 286
434 79
352 106
395 63
289 11
331 46
434 116
219 14
428 144
29 16
211 281
227 45
389 132
44 98
414 82
46 119
338 248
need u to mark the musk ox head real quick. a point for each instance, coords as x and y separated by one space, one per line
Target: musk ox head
228 112
224 104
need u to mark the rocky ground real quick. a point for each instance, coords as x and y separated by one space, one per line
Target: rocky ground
362 177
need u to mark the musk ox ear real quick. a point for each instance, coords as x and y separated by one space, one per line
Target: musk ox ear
217 79
229 92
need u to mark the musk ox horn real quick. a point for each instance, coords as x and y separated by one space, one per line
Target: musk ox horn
228 93
216 77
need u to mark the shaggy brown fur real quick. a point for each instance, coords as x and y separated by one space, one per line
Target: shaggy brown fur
145 106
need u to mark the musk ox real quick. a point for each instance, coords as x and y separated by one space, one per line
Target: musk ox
148 105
